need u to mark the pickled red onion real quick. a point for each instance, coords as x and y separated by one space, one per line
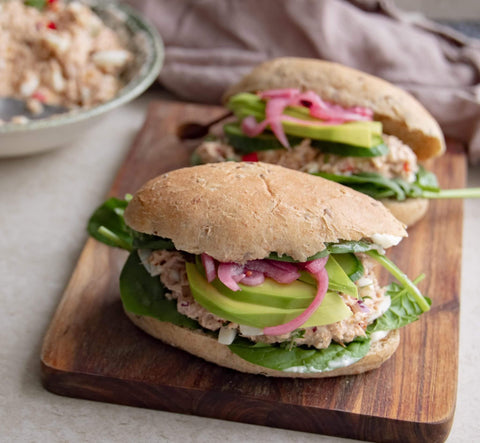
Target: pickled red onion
278 99
253 278
273 113
315 266
329 111
279 93
322 279
361 306
209 266
251 127
278 271
230 274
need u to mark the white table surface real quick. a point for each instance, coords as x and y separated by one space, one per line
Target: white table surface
46 200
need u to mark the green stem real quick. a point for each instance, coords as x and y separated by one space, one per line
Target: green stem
401 277
114 238
453 193
419 279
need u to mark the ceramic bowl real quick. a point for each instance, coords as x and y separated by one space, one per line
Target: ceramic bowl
49 133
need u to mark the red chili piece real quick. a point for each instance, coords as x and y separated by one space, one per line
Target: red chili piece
251 157
39 96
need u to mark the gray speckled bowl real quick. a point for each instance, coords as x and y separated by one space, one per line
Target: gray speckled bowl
49 133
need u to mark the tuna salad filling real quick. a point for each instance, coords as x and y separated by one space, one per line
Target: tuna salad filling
399 162
59 54
372 303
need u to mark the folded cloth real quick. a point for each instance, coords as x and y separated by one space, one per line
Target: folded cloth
210 44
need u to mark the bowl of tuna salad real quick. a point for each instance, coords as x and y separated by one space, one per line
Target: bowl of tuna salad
68 63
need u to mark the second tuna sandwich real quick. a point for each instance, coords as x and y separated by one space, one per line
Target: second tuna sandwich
345 125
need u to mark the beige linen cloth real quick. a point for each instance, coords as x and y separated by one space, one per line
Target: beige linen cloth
211 43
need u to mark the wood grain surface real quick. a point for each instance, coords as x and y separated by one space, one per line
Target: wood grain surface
91 350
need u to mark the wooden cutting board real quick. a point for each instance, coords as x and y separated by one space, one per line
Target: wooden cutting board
92 351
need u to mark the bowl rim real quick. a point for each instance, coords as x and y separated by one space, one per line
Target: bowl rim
129 91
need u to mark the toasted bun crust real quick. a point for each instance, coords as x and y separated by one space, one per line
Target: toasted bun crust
408 211
204 346
244 211
400 113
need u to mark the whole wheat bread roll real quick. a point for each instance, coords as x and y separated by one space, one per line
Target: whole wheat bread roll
408 211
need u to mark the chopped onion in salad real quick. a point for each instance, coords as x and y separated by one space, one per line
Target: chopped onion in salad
226 335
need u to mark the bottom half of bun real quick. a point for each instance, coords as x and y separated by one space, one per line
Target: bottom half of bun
202 345
408 211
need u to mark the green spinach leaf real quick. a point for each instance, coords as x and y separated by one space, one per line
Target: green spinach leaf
282 358
147 241
377 186
108 226
403 310
143 294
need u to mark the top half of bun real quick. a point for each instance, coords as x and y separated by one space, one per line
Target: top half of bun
400 113
244 211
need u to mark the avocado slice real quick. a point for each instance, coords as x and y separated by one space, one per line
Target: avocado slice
359 134
296 295
338 280
258 315
351 264
266 141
